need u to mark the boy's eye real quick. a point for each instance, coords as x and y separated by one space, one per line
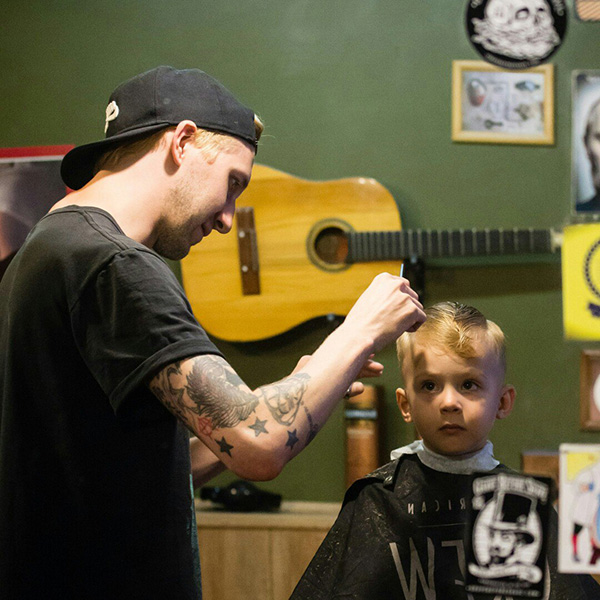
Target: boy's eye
428 386
469 385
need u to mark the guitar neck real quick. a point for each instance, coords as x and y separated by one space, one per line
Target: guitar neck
398 245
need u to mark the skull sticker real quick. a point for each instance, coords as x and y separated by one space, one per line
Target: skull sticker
516 34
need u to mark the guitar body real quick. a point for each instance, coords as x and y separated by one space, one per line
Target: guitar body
293 219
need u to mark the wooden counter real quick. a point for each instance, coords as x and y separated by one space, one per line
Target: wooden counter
259 556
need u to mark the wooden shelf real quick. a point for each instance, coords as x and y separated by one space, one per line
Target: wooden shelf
259 555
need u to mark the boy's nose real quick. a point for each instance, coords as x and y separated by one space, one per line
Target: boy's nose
450 400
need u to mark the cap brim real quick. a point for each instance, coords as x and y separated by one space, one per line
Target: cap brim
77 166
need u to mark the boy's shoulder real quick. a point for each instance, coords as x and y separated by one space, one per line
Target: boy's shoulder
406 469
385 473
383 476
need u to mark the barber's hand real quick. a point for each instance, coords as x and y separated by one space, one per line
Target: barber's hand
385 310
357 387
371 368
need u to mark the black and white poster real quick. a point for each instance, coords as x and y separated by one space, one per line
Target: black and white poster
585 149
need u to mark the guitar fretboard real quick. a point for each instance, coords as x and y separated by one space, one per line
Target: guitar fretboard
397 245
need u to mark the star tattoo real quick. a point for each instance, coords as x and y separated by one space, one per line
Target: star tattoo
292 438
224 446
259 427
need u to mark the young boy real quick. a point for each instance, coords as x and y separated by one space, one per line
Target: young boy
400 531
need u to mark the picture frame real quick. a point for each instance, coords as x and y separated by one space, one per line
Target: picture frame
497 106
543 463
579 474
585 122
30 183
589 410
587 10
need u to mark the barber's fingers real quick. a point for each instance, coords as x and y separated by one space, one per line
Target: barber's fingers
404 285
417 316
414 327
355 388
371 368
416 303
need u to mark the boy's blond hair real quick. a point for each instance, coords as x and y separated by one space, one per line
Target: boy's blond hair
210 142
454 326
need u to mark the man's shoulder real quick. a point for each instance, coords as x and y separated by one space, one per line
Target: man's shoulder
76 245
81 220
88 235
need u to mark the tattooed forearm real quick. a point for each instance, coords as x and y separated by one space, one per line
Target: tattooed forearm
211 395
167 393
224 446
258 427
214 388
207 394
292 439
283 398
313 427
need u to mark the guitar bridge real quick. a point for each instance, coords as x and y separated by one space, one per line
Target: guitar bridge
247 250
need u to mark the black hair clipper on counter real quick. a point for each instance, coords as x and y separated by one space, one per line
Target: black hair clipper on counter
242 496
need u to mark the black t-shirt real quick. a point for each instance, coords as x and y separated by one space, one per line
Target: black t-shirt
95 495
400 534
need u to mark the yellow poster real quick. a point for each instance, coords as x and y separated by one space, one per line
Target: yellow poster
581 281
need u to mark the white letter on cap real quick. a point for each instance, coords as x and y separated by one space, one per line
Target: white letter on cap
112 112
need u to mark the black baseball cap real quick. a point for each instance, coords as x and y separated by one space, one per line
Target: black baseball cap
154 100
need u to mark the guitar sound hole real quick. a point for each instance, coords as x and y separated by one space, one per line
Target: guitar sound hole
331 246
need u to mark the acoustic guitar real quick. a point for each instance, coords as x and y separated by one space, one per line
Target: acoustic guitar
304 249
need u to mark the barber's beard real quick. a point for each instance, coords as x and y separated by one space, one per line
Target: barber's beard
173 232
172 245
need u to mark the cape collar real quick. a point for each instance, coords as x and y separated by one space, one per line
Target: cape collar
482 461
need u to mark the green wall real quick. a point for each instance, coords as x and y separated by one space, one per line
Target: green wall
346 88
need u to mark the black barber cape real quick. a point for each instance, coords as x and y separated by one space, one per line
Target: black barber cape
399 535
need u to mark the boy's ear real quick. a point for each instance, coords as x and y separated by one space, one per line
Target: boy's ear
403 405
507 401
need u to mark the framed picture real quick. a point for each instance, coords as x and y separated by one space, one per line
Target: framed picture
588 10
30 184
540 462
585 144
578 517
590 390
492 105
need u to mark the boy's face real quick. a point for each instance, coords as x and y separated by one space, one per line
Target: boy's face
453 401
